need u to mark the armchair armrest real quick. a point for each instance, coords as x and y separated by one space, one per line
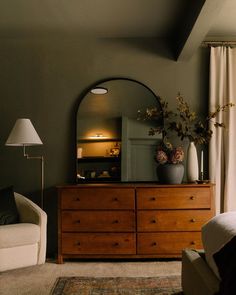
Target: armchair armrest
29 212
197 276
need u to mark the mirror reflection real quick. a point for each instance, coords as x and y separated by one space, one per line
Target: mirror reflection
112 145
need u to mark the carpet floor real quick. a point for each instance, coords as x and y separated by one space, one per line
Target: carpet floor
40 279
170 285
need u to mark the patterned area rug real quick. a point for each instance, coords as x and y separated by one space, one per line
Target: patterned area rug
117 286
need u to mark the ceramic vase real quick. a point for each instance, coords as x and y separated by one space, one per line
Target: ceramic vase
192 170
170 173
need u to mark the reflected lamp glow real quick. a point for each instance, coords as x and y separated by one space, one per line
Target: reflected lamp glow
24 134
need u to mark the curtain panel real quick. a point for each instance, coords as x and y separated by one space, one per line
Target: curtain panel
222 147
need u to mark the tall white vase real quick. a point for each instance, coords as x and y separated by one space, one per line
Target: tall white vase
192 163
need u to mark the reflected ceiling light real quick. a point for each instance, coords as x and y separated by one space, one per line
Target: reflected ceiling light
99 90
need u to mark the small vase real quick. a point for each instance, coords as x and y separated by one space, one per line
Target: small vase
192 163
170 173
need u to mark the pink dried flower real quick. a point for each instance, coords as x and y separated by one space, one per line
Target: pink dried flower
161 157
177 155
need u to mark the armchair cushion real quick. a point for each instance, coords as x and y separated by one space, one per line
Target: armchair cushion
8 209
13 235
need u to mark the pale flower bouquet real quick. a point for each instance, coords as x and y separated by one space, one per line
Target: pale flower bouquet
166 154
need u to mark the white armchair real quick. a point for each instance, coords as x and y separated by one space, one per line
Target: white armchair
24 244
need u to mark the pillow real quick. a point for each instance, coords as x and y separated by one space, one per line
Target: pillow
8 209
216 234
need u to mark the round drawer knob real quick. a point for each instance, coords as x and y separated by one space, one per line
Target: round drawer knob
153 221
78 199
193 243
153 199
116 244
115 199
193 220
78 244
154 244
116 221
191 198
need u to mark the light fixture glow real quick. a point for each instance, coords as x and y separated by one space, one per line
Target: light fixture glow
99 90
98 136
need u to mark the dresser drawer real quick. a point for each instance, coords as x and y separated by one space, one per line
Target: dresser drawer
99 198
174 198
171 220
167 243
98 221
98 243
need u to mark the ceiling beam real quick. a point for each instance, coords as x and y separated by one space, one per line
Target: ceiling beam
193 30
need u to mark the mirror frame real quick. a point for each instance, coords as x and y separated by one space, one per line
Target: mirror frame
83 95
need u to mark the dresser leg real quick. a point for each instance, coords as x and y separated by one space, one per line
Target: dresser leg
60 259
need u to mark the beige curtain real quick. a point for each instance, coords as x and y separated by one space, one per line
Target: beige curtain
222 148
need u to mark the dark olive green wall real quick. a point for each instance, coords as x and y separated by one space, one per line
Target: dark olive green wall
43 80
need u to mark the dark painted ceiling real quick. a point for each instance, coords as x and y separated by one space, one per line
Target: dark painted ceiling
183 23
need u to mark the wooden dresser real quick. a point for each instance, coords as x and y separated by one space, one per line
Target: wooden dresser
131 220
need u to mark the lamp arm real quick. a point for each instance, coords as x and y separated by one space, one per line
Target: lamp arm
28 157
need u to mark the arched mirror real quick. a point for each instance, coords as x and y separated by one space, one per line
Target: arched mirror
112 145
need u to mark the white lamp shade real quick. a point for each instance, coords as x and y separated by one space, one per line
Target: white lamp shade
23 134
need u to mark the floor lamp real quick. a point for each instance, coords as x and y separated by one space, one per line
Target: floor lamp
23 134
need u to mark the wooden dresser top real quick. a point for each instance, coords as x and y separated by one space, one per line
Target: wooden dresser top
134 185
